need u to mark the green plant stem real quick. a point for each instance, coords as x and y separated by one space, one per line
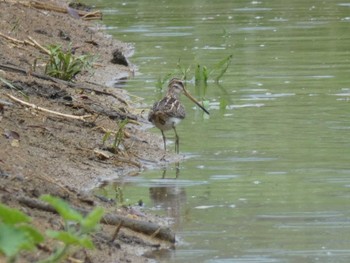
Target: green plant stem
57 256
12 259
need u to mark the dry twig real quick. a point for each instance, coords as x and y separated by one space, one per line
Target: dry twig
115 234
83 118
52 7
30 42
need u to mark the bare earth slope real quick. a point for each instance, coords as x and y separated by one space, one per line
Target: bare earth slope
42 152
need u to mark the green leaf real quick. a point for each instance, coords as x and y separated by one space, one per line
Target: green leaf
198 74
182 70
66 237
106 137
13 240
63 208
87 243
65 65
205 74
10 85
71 239
223 66
34 234
12 216
92 219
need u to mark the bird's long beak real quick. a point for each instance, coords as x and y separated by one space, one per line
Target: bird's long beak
188 95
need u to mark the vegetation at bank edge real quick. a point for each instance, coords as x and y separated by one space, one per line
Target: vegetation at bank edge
117 136
64 64
17 234
199 72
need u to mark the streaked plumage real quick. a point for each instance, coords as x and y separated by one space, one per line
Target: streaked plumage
168 112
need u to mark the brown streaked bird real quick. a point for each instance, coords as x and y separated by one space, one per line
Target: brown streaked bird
168 112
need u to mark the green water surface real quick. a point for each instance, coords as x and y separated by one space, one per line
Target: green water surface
267 175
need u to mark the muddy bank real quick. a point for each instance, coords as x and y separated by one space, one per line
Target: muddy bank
52 131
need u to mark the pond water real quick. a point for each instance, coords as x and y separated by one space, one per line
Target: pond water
267 175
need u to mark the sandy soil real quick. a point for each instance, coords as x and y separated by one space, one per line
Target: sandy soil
42 152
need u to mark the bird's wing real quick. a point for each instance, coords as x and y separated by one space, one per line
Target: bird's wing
172 107
168 106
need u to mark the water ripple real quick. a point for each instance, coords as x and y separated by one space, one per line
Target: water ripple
168 183
252 9
248 259
223 177
301 215
167 34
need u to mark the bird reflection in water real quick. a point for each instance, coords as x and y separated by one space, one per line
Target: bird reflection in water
170 196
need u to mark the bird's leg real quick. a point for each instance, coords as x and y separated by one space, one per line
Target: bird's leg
177 168
164 140
176 141
164 173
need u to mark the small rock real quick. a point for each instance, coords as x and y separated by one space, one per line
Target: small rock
103 155
119 58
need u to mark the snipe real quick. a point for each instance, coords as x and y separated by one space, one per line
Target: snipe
168 112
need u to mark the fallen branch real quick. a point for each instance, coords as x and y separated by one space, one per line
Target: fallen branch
147 228
69 84
52 7
40 76
83 14
48 111
107 93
